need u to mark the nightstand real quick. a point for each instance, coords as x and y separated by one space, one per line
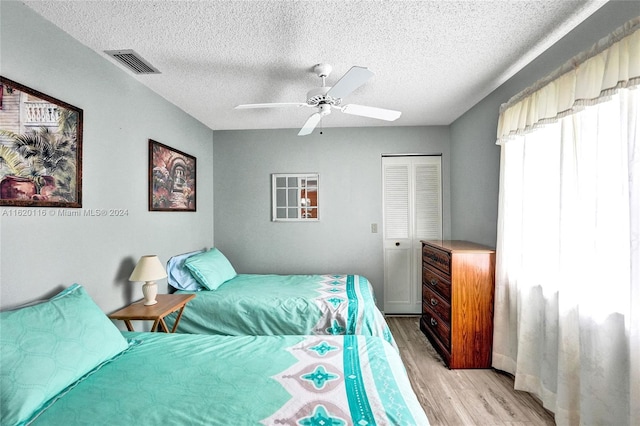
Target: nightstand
167 303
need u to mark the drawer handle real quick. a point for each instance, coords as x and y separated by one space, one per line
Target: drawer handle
433 322
434 302
433 281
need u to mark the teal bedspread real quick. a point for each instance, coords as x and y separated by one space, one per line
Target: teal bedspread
286 305
185 379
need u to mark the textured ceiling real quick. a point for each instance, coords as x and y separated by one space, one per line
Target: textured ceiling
432 60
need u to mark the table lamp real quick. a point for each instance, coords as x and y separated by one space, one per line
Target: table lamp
148 270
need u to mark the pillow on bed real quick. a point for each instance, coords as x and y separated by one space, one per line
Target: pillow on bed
178 276
210 268
47 347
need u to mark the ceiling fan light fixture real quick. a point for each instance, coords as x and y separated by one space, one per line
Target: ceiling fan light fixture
327 97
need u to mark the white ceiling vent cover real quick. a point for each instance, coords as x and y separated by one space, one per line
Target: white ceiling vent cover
132 61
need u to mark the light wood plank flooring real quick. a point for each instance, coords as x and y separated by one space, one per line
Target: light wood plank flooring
461 397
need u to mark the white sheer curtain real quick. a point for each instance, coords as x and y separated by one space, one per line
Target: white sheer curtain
567 309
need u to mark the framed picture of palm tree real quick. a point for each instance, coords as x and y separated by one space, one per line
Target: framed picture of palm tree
40 149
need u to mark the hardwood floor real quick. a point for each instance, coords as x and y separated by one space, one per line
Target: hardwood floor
461 397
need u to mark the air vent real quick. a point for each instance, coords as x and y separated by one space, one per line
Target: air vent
132 61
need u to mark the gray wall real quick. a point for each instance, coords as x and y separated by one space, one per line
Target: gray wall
349 163
42 254
475 158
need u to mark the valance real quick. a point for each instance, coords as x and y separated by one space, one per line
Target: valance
588 78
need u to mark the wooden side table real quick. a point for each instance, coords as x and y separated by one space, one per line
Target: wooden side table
167 303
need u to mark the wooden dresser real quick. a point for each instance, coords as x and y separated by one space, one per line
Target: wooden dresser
457 301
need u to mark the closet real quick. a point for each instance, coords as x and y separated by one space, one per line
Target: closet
412 210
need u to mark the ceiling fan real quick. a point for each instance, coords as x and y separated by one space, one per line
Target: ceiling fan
326 98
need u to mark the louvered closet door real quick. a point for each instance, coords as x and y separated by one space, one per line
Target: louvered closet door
412 211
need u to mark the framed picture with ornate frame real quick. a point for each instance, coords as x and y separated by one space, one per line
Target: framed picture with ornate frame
172 179
40 149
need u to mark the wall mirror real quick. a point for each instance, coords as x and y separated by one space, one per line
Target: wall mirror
294 197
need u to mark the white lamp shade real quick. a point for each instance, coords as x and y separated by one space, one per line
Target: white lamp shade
148 268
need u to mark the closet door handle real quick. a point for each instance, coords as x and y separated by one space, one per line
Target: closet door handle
397 244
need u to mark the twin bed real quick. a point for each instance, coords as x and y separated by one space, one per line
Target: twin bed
64 362
253 304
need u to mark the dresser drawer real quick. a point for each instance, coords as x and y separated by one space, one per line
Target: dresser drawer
436 282
437 327
437 304
443 351
437 258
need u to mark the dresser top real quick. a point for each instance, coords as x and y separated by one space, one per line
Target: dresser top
459 246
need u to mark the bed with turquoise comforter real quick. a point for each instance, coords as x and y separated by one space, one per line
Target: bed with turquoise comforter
244 380
228 303
65 363
253 304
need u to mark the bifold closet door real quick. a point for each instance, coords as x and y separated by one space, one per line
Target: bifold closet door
412 211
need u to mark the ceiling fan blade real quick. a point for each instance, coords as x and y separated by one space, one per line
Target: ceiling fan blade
372 112
350 81
311 124
272 105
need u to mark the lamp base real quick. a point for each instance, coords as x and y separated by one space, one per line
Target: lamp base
150 290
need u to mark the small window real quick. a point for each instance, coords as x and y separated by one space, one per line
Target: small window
294 197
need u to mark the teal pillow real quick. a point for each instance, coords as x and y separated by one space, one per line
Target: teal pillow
210 268
46 347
